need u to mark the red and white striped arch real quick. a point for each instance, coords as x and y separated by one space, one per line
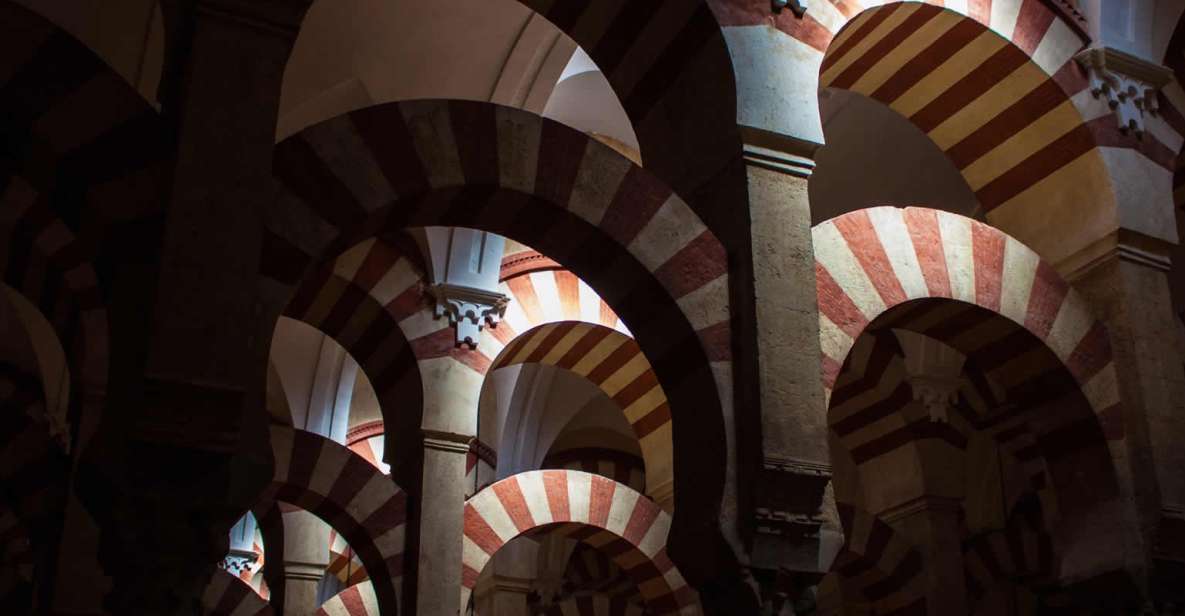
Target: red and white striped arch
350 495
542 291
357 600
536 499
869 261
614 363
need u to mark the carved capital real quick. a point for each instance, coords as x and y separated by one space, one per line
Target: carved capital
1128 84
468 309
798 6
239 561
937 394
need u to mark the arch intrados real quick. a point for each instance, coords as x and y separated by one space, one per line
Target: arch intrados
426 189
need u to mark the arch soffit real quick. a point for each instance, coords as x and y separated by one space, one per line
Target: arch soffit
480 165
535 499
350 495
869 261
615 364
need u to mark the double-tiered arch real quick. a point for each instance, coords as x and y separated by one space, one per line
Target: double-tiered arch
615 225
595 509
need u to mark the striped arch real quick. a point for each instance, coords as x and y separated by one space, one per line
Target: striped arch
227 595
1020 553
1172 109
350 495
595 604
878 563
615 225
34 470
549 296
616 465
357 600
869 261
599 511
80 154
866 411
17 562
656 56
344 563
616 364
368 440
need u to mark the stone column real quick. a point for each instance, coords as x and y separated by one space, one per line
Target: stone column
1123 276
442 519
934 524
182 451
306 555
795 467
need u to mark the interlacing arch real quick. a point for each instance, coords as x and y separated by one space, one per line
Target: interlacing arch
350 495
458 163
871 260
1020 553
614 363
594 509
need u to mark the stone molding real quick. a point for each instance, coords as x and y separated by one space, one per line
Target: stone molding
279 17
1127 83
468 309
308 572
790 501
447 441
921 504
1123 245
484 452
777 152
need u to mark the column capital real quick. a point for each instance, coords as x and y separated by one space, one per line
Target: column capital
777 152
468 309
925 503
1128 84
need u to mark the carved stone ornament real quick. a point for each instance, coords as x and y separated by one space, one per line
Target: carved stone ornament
1128 84
468 309
937 394
798 6
238 561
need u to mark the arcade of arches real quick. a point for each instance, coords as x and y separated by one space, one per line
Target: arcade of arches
612 307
